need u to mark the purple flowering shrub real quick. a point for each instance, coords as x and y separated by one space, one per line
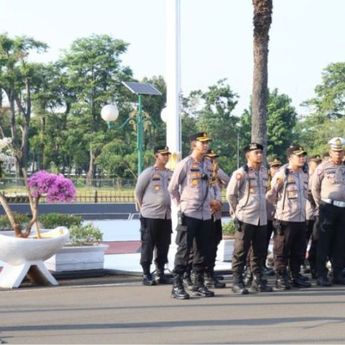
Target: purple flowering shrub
55 187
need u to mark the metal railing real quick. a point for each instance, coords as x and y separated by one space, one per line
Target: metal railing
79 182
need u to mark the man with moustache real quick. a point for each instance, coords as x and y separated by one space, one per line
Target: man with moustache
246 196
328 189
190 190
153 201
289 189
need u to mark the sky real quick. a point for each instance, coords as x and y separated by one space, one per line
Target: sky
216 38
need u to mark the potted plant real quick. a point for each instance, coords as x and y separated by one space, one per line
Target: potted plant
24 254
84 250
226 245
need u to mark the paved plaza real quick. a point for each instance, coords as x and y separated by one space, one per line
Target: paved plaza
118 309
112 307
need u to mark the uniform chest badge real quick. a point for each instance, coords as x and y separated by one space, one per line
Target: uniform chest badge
195 182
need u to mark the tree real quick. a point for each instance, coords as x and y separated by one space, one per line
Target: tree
94 73
326 119
329 101
281 124
19 79
213 113
262 22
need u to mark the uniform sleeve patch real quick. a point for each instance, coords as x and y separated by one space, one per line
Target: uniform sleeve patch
239 176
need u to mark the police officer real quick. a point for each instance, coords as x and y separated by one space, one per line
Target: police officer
274 165
190 190
246 196
153 201
289 189
328 189
219 178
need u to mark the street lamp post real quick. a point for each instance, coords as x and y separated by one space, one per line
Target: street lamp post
140 136
110 113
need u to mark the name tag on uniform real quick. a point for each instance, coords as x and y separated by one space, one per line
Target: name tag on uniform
195 175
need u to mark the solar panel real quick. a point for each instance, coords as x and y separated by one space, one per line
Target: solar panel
141 89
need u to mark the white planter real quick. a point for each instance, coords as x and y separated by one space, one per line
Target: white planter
225 249
76 258
25 256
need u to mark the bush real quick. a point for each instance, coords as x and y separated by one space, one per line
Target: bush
229 228
83 235
19 217
53 220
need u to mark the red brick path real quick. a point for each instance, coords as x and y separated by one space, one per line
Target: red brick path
122 247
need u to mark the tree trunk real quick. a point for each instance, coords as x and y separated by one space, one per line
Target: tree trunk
262 21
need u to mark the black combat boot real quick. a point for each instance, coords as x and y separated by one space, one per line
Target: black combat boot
178 290
199 288
282 281
300 281
148 280
259 285
187 281
211 281
238 286
322 280
160 277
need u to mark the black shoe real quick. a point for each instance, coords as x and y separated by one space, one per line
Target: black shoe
202 291
300 276
179 292
300 282
323 281
282 282
161 279
259 285
239 288
148 280
211 281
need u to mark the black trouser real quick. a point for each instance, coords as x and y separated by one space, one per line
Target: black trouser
249 236
269 231
155 236
331 242
289 246
193 235
216 236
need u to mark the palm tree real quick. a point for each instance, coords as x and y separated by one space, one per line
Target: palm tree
262 22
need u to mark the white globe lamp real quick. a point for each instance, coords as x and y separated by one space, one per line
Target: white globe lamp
110 113
164 115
